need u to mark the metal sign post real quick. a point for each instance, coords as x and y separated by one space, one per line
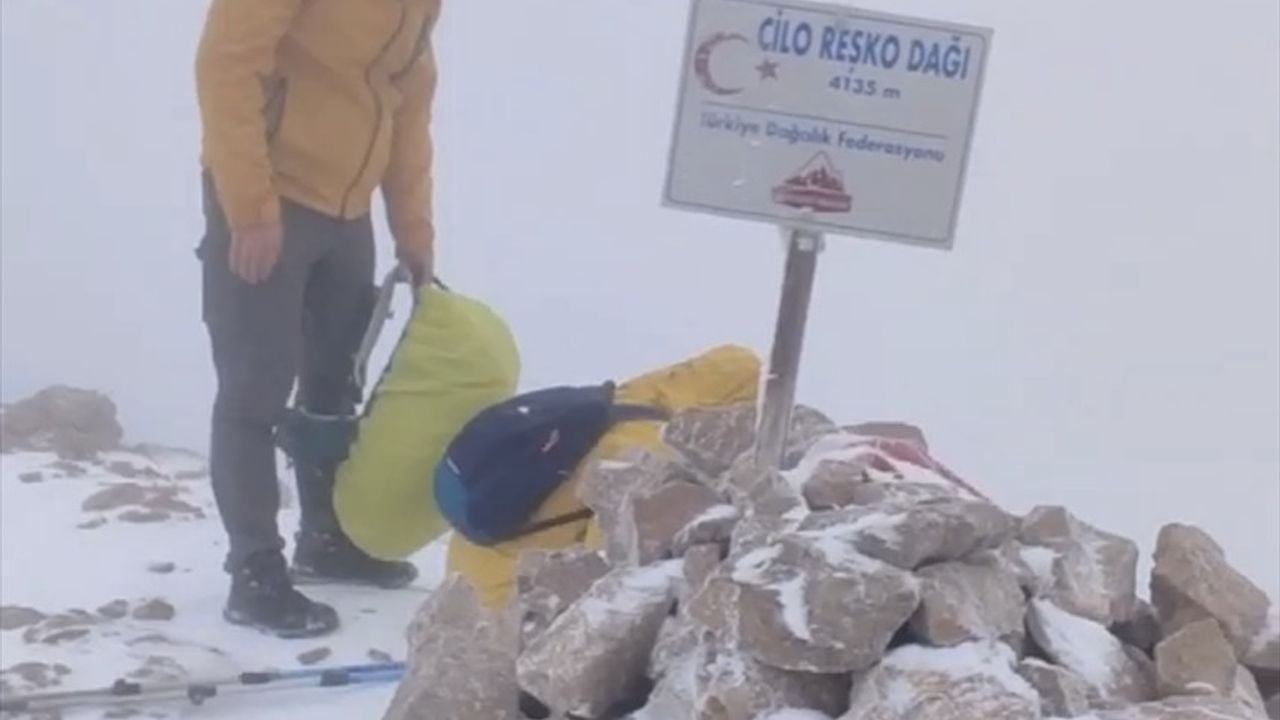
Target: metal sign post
822 118
803 247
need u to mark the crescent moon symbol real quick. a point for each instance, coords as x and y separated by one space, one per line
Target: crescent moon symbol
702 62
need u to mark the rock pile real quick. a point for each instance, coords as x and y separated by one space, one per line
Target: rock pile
862 582
75 424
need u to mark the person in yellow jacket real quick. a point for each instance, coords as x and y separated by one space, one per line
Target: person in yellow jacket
307 108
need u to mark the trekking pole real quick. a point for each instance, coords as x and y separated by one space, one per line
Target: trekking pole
129 692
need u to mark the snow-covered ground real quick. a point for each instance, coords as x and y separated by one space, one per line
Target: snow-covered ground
142 527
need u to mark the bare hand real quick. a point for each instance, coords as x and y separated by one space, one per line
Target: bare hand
255 250
415 250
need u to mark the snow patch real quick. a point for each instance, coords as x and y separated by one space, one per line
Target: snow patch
723 511
749 569
43 531
635 589
614 464
797 714
795 609
991 659
1040 560
836 542
1269 632
1081 645
835 447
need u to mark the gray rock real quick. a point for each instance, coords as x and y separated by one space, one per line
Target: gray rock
15 617
714 525
1273 707
763 492
1063 693
549 581
808 426
965 682
899 493
1263 653
74 423
891 430
597 652
711 439
834 484
607 483
1183 708
1268 682
1192 580
674 694
699 563
677 640
1141 630
1114 676
1244 690
461 662
960 602
1197 655
808 604
1019 561
1094 572
652 516
732 685
909 537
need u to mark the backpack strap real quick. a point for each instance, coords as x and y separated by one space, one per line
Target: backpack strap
555 522
618 413
628 412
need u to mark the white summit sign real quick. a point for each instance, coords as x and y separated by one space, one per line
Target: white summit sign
826 118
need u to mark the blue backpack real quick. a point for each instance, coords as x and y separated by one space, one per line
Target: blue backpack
511 456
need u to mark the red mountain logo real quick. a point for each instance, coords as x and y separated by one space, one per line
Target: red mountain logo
817 186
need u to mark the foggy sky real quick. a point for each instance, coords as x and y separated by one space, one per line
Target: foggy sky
1105 335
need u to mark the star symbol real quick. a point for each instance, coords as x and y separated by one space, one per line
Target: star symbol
768 69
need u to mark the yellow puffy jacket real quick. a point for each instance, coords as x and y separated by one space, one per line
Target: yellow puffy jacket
723 375
318 101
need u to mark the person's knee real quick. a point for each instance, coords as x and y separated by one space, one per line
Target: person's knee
255 393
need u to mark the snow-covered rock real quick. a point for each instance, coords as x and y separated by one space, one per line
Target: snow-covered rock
810 603
1114 676
1063 693
1182 707
972 680
548 581
908 537
461 660
651 516
711 439
1093 571
713 525
967 601
596 653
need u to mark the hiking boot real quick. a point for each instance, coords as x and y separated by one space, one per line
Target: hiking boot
262 597
331 557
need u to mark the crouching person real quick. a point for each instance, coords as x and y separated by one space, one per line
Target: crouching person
499 510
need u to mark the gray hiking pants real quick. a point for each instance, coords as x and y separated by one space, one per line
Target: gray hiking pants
303 323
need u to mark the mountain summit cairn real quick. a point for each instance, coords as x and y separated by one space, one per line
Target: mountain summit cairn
862 582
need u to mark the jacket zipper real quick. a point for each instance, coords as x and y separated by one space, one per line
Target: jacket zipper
377 105
418 47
